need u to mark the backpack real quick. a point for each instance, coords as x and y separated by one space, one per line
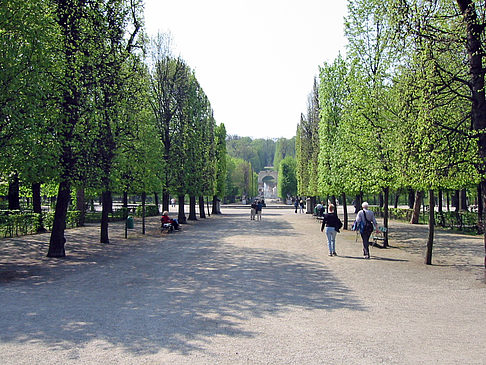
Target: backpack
368 226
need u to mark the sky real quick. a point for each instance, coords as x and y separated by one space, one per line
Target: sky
255 59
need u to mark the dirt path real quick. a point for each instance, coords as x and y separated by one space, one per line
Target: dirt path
228 290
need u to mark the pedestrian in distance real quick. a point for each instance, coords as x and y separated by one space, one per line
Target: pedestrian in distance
301 204
296 204
365 223
253 210
259 208
331 224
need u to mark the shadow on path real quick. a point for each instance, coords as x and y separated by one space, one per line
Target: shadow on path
175 292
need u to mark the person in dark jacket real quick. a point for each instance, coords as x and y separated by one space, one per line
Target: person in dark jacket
331 224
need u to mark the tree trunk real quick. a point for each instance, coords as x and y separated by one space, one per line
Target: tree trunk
165 200
430 241
386 192
480 210
156 197
192 208
441 213
81 205
380 200
144 198
125 212
57 240
37 205
397 198
216 205
345 209
105 210
202 213
182 215
13 192
411 198
448 201
416 207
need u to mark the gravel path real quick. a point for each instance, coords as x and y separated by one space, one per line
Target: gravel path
227 290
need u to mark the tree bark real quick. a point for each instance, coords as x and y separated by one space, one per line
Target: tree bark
165 200
13 192
182 215
57 240
144 198
202 213
430 241
386 192
480 210
156 197
125 212
216 205
416 207
411 198
37 205
380 200
192 208
345 209
105 210
441 213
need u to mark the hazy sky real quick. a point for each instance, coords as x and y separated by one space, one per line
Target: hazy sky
255 59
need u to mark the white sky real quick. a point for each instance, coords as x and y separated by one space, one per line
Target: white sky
255 59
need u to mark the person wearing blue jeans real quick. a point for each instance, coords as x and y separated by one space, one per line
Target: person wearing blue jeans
331 225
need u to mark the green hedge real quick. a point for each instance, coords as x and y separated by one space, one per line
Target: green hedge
151 210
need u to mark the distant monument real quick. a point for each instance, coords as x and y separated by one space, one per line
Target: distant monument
267 183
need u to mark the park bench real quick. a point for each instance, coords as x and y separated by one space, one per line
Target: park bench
378 236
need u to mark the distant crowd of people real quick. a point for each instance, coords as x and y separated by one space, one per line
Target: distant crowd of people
256 209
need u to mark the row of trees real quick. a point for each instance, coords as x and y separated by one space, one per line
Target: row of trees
88 103
405 110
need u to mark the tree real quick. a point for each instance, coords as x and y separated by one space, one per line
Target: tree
287 181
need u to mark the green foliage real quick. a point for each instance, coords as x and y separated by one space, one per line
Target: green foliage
287 181
151 210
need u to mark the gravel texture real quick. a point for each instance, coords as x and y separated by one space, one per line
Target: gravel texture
228 290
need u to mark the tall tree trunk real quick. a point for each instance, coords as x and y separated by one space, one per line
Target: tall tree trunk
397 198
192 208
430 241
386 192
448 201
144 198
216 205
105 210
81 205
57 240
156 197
37 205
125 212
416 207
202 213
345 209
13 192
380 200
480 210
455 200
165 200
441 213
182 215
411 198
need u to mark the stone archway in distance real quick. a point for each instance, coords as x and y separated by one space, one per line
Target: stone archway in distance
264 174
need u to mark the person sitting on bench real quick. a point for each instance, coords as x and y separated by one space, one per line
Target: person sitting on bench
166 219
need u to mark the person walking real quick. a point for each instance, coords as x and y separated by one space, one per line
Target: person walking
296 204
331 225
259 210
253 210
365 223
301 205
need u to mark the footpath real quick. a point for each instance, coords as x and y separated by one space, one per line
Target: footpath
228 290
